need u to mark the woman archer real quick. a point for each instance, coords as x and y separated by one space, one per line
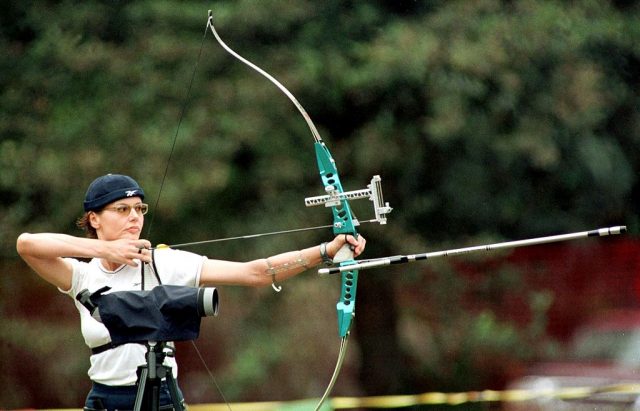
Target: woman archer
113 221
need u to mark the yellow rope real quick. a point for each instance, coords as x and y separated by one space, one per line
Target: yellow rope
429 398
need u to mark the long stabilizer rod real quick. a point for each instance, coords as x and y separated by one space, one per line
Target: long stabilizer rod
401 259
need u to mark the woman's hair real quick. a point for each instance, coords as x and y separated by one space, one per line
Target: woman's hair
84 224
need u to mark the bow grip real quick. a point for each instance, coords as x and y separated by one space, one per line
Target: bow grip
345 253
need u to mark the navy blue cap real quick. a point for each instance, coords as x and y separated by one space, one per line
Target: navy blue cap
107 189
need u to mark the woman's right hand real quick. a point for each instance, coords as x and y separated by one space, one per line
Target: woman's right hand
126 251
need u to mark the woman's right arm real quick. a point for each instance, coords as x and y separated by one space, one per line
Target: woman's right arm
45 252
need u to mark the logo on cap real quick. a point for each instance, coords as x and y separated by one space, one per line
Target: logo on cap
130 193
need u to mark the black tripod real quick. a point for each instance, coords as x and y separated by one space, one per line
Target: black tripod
150 378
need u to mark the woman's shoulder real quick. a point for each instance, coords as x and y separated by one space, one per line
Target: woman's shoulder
178 266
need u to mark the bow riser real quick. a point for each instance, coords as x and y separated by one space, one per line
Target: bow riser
343 223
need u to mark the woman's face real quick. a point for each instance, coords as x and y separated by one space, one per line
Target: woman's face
121 219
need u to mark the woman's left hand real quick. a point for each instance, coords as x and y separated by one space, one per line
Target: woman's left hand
357 244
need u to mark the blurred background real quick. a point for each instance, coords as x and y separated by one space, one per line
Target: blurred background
488 121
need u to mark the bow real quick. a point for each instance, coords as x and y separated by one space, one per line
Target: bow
344 222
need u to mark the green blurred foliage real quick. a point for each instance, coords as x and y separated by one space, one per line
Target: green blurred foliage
486 119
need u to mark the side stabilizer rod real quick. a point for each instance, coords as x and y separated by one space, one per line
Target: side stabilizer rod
410 258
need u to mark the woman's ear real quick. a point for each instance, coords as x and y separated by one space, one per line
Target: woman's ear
94 220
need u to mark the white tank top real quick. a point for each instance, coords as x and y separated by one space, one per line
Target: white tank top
118 366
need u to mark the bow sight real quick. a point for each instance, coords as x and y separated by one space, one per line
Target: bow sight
373 192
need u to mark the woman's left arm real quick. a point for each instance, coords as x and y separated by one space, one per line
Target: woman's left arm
267 271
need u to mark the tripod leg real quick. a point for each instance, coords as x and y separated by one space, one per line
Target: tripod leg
142 383
173 390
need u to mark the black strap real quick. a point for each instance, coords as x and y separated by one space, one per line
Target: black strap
154 269
104 347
